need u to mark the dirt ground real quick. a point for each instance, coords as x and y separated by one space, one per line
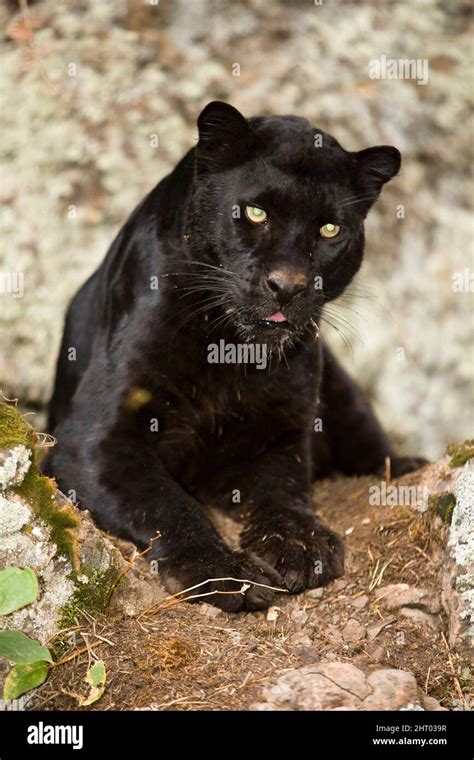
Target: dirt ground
194 657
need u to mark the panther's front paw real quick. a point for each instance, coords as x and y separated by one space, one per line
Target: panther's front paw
401 465
304 552
225 574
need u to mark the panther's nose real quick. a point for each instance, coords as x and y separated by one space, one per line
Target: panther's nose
286 283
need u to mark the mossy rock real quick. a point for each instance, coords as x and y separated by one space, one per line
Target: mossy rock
460 453
72 547
14 429
465 583
443 505
92 593
38 491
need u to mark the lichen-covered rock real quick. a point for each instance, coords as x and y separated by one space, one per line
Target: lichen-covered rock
76 564
14 514
14 464
342 686
458 575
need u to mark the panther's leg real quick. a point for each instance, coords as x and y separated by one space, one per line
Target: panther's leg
281 526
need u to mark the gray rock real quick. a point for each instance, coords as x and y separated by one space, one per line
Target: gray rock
342 686
359 602
353 631
458 566
14 464
300 640
397 595
315 593
420 617
299 616
374 630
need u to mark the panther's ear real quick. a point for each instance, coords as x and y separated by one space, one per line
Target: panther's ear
378 165
224 136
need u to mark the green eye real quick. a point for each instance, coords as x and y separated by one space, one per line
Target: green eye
329 230
255 214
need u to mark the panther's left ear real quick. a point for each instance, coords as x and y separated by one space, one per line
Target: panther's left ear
378 165
224 136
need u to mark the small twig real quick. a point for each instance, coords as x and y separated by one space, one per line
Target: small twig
107 641
457 685
75 654
423 554
378 575
13 401
46 440
129 566
427 679
174 602
170 601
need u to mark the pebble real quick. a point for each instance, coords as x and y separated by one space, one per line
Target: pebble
359 602
272 614
315 593
301 640
419 617
353 631
299 617
209 611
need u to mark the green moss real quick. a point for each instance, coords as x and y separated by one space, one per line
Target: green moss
14 429
92 596
443 504
461 453
38 490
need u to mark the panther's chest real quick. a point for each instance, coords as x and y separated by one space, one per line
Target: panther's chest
226 423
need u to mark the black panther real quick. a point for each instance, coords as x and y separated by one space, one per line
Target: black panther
256 229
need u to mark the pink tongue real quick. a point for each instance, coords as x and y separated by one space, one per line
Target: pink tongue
277 317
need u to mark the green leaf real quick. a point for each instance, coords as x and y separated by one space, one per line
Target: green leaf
17 588
22 678
16 646
95 677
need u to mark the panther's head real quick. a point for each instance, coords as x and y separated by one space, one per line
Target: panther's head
276 222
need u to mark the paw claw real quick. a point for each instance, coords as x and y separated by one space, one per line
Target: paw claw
311 555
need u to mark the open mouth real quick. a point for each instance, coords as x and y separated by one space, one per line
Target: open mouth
276 320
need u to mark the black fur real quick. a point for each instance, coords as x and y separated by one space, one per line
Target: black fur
141 359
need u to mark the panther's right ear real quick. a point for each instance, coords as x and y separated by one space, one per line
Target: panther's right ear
224 136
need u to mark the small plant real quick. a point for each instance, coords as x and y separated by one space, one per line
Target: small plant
18 588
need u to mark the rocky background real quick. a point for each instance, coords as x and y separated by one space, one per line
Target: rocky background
100 101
